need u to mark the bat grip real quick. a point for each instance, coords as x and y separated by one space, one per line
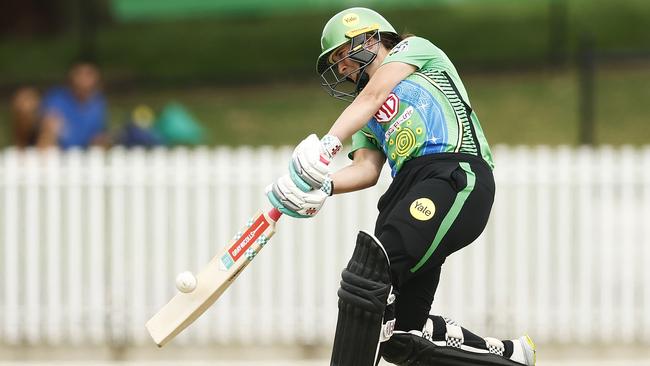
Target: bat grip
274 214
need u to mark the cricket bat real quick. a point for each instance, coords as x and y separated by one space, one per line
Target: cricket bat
184 308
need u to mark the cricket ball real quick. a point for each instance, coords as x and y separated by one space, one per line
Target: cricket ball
185 282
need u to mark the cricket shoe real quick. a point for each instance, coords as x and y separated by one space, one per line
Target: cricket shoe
524 351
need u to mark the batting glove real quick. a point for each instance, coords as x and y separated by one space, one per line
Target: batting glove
293 201
310 160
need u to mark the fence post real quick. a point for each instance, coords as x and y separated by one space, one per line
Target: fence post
587 269
586 72
95 243
32 244
645 243
52 238
87 28
73 211
557 33
10 245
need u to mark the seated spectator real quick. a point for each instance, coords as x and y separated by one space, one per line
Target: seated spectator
75 115
177 126
24 117
138 129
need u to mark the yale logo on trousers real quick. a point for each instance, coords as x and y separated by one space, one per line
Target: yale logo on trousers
422 209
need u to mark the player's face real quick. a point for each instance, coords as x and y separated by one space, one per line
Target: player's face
345 64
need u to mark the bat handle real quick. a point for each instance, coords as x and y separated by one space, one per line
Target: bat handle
274 214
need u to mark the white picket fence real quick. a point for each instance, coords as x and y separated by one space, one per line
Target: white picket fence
90 244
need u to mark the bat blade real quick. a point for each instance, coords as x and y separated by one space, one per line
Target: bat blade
184 308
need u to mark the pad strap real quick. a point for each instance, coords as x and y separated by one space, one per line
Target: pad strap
388 326
495 346
454 335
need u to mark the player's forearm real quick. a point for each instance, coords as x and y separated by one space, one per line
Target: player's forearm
350 179
355 177
357 114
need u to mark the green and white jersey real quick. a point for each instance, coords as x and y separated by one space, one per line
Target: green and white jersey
427 113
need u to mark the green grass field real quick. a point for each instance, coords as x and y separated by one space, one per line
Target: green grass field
514 108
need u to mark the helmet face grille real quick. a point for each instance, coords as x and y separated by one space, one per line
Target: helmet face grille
339 86
344 86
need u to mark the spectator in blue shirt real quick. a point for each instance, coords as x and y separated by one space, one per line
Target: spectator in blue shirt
75 115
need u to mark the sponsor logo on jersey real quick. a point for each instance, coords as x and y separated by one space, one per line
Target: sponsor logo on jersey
402 46
388 110
350 19
405 116
422 209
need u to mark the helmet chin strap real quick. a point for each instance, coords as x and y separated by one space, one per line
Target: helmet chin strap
362 81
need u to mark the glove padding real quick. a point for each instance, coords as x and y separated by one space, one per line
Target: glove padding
309 167
293 201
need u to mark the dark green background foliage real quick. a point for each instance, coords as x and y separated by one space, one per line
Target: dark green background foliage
249 76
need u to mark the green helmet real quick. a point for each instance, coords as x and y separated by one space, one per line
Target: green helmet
345 25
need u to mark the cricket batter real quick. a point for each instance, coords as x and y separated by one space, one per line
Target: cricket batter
410 107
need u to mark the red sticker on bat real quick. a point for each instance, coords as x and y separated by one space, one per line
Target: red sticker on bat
248 238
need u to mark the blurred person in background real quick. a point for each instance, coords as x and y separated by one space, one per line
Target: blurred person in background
138 131
25 117
410 107
27 122
74 115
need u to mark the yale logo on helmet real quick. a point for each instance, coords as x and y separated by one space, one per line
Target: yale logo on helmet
350 19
